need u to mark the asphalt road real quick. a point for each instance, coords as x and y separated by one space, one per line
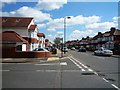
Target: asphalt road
77 70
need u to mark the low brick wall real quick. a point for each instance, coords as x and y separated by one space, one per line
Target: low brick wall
8 52
30 54
11 53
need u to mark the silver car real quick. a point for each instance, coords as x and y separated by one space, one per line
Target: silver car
103 51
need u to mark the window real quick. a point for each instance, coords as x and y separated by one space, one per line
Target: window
4 20
19 48
17 20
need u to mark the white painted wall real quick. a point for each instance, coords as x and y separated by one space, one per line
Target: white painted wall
31 23
24 47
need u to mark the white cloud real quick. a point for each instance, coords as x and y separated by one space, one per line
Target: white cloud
56 23
50 4
28 12
101 27
83 20
92 29
78 34
51 37
7 1
60 33
41 25
116 20
51 30
78 20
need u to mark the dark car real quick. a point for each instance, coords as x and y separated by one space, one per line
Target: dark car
82 49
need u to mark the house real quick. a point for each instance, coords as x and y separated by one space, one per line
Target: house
109 40
11 42
26 28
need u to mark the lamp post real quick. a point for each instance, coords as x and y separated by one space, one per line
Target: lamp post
65 18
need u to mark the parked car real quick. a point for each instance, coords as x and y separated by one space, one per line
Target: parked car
82 49
103 51
40 49
72 48
48 48
64 49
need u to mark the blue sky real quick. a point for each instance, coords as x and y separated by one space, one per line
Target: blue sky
87 18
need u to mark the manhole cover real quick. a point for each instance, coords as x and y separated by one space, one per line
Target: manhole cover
88 73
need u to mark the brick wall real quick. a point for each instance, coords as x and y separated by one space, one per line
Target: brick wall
30 54
10 52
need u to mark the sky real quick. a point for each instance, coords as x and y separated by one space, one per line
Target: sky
86 18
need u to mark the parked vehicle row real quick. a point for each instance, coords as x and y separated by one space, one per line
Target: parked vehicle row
100 51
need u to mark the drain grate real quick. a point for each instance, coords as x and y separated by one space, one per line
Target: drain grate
88 73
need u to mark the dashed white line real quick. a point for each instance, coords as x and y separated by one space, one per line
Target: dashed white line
105 80
115 86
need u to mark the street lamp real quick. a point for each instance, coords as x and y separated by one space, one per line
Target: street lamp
65 30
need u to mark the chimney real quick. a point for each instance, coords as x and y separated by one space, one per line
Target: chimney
112 30
99 33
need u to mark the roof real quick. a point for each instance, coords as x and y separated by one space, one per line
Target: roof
117 32
106 34
41 35
11 37
32 27
15 21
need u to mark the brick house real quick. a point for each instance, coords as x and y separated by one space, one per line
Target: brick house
11 42
26 28
109 39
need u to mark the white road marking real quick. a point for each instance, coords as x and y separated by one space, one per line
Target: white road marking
82 64
62 63
115 86
105 80
77 64
4 70
90 70
94 71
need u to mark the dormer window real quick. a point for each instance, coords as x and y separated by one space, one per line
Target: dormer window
4 20
17 20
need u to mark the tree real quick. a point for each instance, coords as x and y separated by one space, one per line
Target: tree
57 41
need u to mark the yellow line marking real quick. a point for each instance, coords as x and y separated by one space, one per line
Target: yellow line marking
52 58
